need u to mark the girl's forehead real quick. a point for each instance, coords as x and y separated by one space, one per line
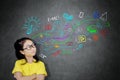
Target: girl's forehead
28 42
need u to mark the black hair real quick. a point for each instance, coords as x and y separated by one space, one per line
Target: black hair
18 45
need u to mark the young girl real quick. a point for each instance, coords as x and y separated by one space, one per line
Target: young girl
28 66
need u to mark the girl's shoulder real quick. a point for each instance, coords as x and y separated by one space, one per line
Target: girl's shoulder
21 61
40 62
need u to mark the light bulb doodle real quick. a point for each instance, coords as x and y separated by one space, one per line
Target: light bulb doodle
32 24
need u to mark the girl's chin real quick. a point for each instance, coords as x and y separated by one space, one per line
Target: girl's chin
31 55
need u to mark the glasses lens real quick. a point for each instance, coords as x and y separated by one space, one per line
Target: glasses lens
29 47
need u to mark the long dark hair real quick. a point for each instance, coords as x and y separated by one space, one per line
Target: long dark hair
18 45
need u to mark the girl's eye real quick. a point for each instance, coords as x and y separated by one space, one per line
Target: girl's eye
29 47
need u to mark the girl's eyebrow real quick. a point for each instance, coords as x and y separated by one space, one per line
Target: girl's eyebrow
29 44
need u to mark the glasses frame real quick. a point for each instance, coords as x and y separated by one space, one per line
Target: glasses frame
30 47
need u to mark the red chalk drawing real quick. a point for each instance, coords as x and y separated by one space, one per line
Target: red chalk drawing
48 27
56 53
69 43
95 37
103 32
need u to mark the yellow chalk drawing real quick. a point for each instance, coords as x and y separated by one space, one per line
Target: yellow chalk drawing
41 36
56 46
81 38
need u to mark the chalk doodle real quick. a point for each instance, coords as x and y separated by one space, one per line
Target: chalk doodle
99 25
103 32
104 16
48 27
32 24
79 46
96 14
69 43
91 29
56 53
53 18
64 34
43 56
95 37
81 38
56 46
81 14
67 17
108 24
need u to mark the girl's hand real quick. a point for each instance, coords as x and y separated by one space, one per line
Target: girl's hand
34 76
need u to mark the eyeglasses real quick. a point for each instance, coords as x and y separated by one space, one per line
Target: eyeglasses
29 47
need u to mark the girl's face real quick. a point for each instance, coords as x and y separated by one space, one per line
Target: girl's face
29 49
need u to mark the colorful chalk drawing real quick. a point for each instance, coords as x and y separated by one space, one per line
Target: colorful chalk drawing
68 17
64 35
81 14
104 16
53 18
91 29
96 15
81 38
32 24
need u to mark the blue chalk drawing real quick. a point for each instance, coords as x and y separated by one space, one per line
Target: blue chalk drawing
67 17
96 15
32 24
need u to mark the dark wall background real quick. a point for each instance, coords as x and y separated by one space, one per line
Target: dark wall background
65 56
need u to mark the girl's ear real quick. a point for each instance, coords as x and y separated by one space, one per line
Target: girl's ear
21 52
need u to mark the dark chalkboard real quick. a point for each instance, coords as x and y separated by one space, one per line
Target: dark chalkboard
78 39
